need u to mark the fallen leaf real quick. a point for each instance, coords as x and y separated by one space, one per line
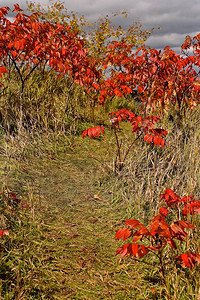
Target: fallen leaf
6 232
86 199
3 232
84 249
97 197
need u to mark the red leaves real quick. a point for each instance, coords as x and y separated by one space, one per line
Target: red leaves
191 206
172 243
188 259
17 8
170 197
124 234
177 232
161 77
155 139
133 223
14 53
3 70
159 227
145 125
140 89
19 45
135 250
3 232
93 131
27 40
14 197
4 11
158 131
118 92
153 72
159 234
163 211
121 115
184 224
18 201
140 233
140 124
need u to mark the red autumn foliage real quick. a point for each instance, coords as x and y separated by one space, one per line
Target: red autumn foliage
188 203
163 211
29 42
136 250
2 70
162 78
17 8
4 232
138 123
188 259
121 115
158 233
18 201
93 131
170 197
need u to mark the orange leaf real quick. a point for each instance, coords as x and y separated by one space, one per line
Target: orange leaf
118 92
14 53
163 211
17 8
3 70
148 138
184 259
133 223
140 89
124 234
134 249
93 131
3 232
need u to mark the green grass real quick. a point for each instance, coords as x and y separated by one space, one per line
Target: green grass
63 246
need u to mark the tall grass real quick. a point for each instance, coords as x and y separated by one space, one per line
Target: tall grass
77 200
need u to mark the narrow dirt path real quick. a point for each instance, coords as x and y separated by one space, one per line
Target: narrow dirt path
78 228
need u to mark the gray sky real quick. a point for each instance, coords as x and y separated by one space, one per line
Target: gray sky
177 18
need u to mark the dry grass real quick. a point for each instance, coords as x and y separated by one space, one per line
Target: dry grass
63 246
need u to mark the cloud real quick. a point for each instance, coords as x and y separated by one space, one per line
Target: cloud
175 40
177 18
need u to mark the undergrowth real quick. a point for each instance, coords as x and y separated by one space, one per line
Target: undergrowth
63 198
62 244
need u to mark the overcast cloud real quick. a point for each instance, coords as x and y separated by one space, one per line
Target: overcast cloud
177 18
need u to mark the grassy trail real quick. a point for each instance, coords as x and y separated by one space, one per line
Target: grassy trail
63 246
75 244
